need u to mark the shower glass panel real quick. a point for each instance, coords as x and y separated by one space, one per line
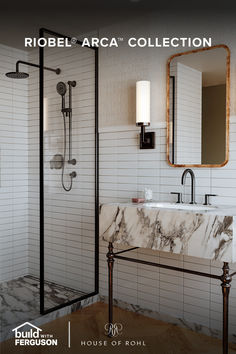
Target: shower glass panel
68 174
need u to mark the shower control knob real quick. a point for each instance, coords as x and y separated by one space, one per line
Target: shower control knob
72 83
72 162
73 174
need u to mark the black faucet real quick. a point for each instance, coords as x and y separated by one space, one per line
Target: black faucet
183 179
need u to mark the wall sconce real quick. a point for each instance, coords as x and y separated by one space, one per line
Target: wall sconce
147 140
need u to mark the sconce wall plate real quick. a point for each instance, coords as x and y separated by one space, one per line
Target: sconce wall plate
149 140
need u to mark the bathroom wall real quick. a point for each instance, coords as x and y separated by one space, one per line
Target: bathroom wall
125 171
13 168
69 216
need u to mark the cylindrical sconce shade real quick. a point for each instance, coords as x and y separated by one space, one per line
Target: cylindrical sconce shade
143 102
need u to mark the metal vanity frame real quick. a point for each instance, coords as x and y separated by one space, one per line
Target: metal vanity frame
225 279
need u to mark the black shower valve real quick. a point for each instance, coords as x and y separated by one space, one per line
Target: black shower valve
73 174
72 83
72 162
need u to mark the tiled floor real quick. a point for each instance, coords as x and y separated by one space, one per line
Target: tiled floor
19 301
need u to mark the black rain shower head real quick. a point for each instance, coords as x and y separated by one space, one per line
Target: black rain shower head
61 88
17 75
21 75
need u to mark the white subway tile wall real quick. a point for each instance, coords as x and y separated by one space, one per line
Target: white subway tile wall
69 216
13 168
124 173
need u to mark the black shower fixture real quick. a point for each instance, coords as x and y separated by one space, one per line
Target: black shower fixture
61 89
67 112
22 75
17 75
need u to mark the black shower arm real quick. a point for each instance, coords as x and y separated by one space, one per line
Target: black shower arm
57 71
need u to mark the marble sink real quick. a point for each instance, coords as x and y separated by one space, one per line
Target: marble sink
193 230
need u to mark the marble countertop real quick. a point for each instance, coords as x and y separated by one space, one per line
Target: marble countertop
205 234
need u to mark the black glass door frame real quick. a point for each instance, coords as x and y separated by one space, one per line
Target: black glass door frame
42 33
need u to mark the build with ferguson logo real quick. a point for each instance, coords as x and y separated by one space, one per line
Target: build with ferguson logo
29 335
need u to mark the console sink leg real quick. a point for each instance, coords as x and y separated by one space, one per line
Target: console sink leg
110 261
226 280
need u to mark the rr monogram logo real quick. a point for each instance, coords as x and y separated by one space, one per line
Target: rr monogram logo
113 329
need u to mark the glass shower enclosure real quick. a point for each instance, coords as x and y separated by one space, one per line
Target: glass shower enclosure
68 186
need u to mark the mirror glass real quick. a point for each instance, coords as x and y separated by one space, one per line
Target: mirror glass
198 108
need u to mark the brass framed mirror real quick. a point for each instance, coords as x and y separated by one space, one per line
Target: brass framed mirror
198 107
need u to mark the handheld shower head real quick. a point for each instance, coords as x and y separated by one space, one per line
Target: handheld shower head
61 88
